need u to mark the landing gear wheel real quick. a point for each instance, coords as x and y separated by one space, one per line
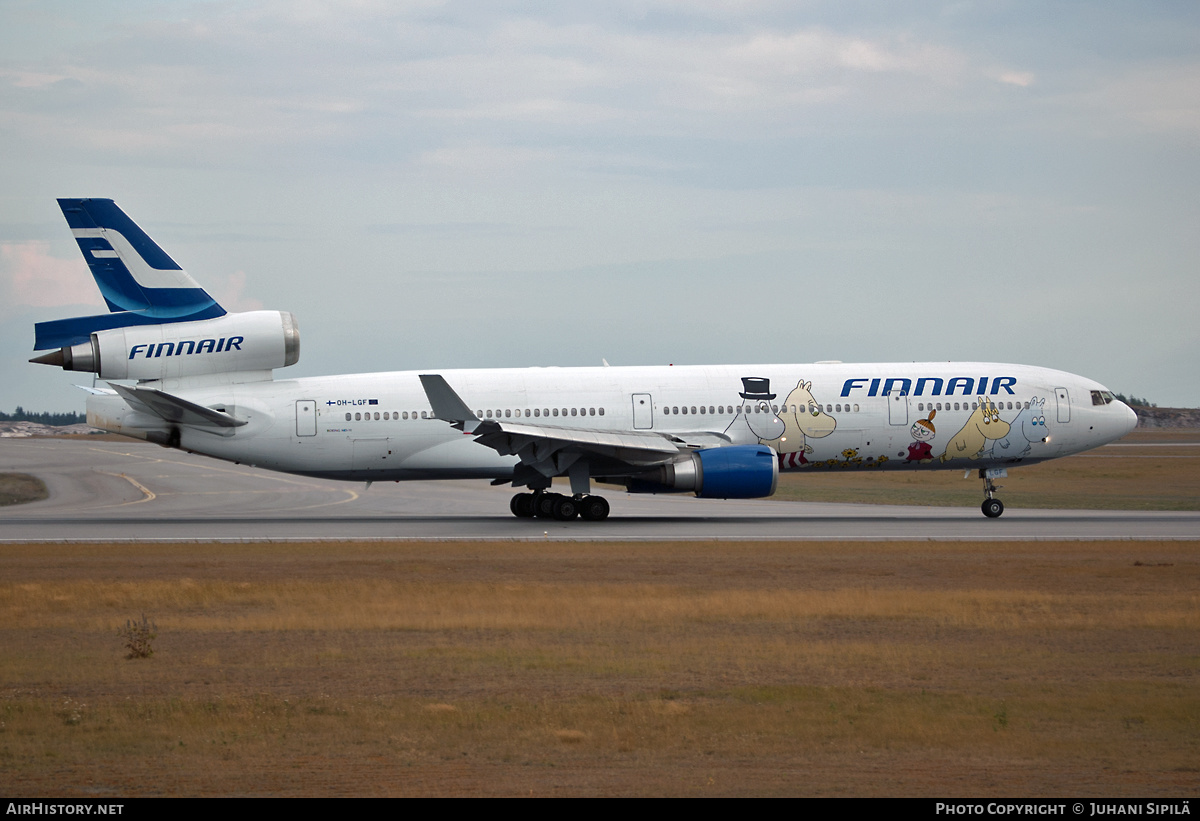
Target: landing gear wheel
593 509
522 505
564 508
992 508
543 505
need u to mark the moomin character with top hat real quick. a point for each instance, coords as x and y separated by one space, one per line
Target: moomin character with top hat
755 423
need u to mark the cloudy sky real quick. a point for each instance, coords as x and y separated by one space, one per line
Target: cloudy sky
435 185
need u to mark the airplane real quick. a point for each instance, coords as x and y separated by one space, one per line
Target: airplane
184 373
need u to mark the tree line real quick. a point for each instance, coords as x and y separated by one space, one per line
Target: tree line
1133 400
44 418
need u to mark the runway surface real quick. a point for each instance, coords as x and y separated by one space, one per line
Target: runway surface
109 491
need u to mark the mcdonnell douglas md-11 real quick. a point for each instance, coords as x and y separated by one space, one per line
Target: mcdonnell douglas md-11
184 373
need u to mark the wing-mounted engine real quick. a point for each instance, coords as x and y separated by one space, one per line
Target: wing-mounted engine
251 342
735 472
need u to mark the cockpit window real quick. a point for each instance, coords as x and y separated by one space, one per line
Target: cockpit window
1101 397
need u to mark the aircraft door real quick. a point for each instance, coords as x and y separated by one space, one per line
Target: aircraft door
306 417
897 408
1064 404
643 411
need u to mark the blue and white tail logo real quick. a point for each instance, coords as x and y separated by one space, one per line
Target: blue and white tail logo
140 282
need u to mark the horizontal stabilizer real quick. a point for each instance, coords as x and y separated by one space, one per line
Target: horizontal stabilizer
97 391
176 410
63 333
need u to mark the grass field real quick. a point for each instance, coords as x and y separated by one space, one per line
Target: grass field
1147 470
940 669
556 668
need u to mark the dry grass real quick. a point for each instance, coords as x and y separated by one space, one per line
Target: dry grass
398 604
18 488
671 669
1120 477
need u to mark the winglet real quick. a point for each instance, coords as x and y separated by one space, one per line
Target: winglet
446 404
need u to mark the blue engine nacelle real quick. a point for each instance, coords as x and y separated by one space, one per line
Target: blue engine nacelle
735 472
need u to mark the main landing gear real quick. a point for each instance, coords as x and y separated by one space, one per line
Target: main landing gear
991 507
557 506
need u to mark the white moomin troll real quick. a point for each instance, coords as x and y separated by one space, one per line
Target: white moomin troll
755 422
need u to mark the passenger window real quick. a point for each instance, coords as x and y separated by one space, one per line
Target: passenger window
537 412
347 416
602 411
357 417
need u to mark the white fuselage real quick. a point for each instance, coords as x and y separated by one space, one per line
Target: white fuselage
378 427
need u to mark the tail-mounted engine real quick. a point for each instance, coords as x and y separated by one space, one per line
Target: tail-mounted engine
735 472
252 341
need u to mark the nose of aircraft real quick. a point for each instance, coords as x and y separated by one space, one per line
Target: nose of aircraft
1130 419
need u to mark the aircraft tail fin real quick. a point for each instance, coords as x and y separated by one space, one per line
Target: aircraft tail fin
140 282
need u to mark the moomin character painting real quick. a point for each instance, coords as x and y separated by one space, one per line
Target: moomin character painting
1027 429
922 431
755 422
803 419
983 425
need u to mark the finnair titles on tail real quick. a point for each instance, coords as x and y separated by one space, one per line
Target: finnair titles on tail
187 374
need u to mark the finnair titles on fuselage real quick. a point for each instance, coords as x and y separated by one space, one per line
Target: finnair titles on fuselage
185 373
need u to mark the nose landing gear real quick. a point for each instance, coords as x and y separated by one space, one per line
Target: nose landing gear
992 508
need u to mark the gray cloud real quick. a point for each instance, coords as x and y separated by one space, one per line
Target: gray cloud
869 181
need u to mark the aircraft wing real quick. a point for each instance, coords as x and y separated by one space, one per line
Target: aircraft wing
174 409
551 450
